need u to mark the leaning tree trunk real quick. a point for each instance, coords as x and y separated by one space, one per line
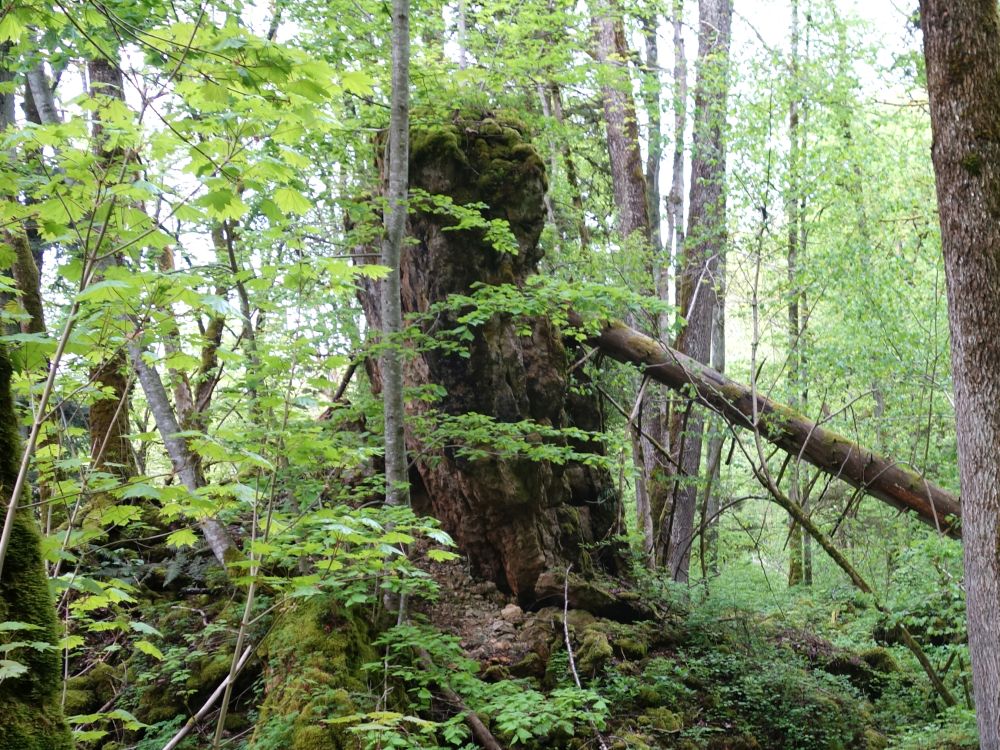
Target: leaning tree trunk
515 518
741 406
30 711
962 50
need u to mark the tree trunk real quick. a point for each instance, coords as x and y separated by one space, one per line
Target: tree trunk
835 454
627 179
706 237
110 448
515 518
962 51
391 366
793 219
713 491
30 711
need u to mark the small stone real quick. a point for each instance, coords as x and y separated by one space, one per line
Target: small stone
512 614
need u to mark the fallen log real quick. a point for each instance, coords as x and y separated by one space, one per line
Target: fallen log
791 431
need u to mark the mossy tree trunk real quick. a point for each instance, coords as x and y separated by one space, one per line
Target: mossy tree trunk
515 518
30 711
835 454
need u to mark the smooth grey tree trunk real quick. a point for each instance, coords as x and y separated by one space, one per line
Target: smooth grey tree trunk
396 475
962 51
793 220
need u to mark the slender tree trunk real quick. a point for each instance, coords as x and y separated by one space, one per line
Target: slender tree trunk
660 491
634 198
962 51
706 237
571 176
675 200
713 491
43 100
792 219
396 474
109 420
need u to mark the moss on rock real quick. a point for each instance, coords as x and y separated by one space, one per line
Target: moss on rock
313 659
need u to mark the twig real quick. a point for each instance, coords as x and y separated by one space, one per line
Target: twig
572 661
479 730
207 706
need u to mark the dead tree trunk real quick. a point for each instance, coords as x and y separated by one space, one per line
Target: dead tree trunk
836 454
515 518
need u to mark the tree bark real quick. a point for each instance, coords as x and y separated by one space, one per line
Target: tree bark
30 712
183 459
706 237
109 415
835 454
962 52
516 518
793 219
396 474
627 178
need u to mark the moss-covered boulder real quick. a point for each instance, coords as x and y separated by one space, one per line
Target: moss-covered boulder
313 659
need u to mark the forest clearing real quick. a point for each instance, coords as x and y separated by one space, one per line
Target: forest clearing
504 375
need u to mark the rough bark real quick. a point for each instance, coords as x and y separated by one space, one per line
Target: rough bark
627 179
109 415
835 454
706 237
962 51
515 518
30 713
396 474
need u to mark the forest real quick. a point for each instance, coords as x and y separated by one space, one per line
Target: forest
502 374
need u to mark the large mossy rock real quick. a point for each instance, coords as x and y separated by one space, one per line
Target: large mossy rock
313 659
513 517
30 712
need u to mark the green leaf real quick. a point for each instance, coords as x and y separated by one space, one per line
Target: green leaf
71 642
441 555
141 627
182 538
12 625
11 27
291 201
108 290
149 649
10 668
141 490
357 82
